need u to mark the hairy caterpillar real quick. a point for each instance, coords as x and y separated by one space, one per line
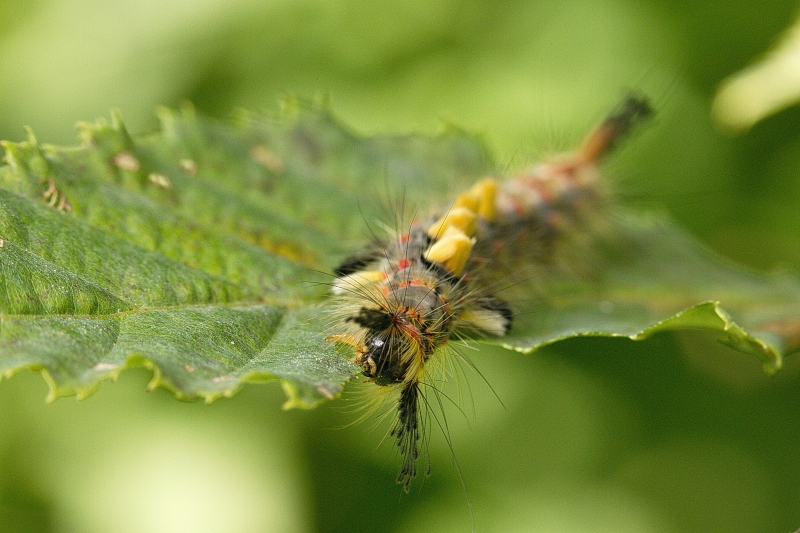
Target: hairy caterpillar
403 298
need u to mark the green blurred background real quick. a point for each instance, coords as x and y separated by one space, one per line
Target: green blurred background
676 434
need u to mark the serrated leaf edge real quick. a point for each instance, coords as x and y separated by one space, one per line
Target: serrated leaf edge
294 399
734 335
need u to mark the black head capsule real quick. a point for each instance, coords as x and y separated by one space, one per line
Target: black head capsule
381 359
380 355
399 338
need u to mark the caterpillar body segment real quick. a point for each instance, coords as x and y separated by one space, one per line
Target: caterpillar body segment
399 302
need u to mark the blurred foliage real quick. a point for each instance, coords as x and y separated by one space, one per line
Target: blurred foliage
764 88
670 435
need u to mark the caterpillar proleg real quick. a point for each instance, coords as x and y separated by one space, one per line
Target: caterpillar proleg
403 298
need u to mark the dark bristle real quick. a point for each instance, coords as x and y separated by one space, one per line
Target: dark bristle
440 271
406 431
359 261
630 112
375 320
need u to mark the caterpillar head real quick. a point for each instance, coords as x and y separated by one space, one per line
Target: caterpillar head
394 340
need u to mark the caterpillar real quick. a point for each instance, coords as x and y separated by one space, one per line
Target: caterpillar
402 299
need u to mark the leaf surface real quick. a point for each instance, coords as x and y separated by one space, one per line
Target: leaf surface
655 277
201 252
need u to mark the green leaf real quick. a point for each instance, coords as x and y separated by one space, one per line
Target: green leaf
655 278
763 88
196 252
193 351
200 252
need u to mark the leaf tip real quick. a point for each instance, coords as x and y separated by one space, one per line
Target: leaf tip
54 391
295 399
31 136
